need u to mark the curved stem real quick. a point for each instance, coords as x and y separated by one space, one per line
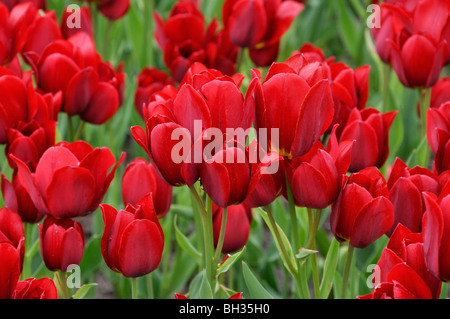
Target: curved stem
223 227
345 277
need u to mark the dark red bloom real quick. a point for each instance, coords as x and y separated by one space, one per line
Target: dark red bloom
440 92
139 179
438 136
317 177
237 230
184 41
31 288
40 4
111 9
10 267
70 179
259 25
370 130
363 211
133 240
91 88
11 230
405 192
62 243
85 22
294 99
150 81
205 100
401 271
18 199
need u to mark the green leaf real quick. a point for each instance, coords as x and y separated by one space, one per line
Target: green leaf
329 269
305 253
284 241
200 287
256 289
83 291
184 242
223 268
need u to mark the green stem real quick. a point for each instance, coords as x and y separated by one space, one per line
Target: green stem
199 229
424 104
133 288
223 227
79 131
70 128
150 292
313 226
345 276
385 86
147 46
26 271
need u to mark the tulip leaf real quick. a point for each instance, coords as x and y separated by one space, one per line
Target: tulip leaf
200 287
184 242
283 245
305 253
256 289
223 268
83 291
329 269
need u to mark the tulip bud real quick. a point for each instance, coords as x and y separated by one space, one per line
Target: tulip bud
133 240
363 211
139 179
10 267
62 243
11 230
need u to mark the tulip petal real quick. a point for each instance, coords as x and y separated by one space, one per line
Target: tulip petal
70 192
79 91
216 182
72 246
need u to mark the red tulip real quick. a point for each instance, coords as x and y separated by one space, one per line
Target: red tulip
259 25
139 179
272 179
440 92
18 199
85 22
70 179
363 211
184 41
370 130
438 136
91 88
295 99
62 243
401 271
31 288
111 9
10 267
40 4
237 228
13 29
199 105
150 81
11 230
405 192
316 178
227 177
133 240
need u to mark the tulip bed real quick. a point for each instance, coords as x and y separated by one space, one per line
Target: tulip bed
234 149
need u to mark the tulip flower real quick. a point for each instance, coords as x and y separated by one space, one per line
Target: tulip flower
272 179
237 227
91 88
85 22
438 136
440 92
139 179
62 243
405 192
150 81
40 4
12 231
111 9
17 199
13 29
10 267
20 103
316 178
174 126
370 130
363 211
70 179
32 288
259 25
133 240
436 224
294 98
401 272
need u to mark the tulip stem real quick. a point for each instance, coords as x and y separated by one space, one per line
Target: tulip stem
206 214
386 80
223 227
313 226
133 288
150 292
345 276
79 131
424 103
70 128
